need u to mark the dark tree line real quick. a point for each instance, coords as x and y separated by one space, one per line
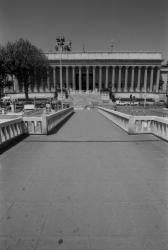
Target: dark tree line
24 61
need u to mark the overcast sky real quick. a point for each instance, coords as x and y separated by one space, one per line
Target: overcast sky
133 25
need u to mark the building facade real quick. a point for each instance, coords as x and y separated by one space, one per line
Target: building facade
122 72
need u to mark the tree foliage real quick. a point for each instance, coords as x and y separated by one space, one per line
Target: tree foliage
25 61
2 71
2 63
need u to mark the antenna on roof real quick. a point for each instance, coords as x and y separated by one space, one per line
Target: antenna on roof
112 46
84 48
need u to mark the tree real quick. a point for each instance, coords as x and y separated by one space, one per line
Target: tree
26 62
2 71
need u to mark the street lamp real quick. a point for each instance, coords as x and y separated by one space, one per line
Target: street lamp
62 46
167 94
145 98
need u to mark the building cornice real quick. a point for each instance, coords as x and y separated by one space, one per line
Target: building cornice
106 56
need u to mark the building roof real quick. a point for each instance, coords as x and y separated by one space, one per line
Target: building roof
106 56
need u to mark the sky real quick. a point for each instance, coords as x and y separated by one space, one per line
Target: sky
132 25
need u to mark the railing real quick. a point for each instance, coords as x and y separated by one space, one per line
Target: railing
54 119
121 119
151 124
10 129
138 124
33 125
159 127
45 123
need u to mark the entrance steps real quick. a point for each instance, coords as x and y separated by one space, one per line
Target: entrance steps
85 99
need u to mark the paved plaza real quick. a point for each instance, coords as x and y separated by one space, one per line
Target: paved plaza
90 186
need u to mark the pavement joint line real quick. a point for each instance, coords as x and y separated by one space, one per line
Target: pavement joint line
89 141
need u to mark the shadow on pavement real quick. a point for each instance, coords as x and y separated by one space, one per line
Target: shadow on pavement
11 143
92 141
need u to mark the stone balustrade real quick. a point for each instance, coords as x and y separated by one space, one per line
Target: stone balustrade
151 124
10 129
138 124
33 125
160 128
120 119
46 122
53 120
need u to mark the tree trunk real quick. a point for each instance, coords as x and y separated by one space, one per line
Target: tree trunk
26 90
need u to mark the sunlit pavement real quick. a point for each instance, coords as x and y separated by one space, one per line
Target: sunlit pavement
90 186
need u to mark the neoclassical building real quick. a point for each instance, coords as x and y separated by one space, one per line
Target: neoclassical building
122 72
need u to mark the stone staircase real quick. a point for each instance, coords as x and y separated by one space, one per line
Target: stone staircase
82 100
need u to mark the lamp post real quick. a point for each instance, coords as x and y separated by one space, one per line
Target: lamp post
62 46
145 102
167 94
145 97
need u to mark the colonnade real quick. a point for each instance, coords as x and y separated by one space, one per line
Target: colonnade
120 78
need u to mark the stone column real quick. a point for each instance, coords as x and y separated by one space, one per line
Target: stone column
151 79
126 79
132 79
119 79
139 79
80 78
87 78
145 80
67 77
14 83
54 78
157 79
48 80
73 77
107 67
113 77
94 77
100 77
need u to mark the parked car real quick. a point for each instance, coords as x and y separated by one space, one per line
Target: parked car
160 103
122 102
